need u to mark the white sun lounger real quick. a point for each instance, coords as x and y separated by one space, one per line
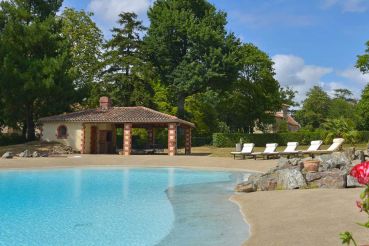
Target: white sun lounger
246 150
290 150
336 145
269 151
314 146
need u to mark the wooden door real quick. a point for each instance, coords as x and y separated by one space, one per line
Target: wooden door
93 140
105 142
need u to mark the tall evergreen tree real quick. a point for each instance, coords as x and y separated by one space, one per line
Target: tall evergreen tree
125 78
190 48
34 62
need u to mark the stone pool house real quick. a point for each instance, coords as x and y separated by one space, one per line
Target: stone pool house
94 131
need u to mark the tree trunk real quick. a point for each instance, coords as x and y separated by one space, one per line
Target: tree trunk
180 105
30 135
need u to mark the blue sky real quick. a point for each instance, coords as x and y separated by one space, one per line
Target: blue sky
312 42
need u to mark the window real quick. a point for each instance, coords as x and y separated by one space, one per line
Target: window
62 132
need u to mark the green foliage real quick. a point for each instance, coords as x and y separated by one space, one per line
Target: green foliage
347 238
34 64
315 108
363 60
85 46
8 139
125 75
189 47
282 126
340 128
202 111
255 95
363 109
288 96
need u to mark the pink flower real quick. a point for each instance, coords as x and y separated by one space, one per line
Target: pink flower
361 172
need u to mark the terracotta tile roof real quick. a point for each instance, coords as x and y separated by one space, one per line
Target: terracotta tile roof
290 119
117 115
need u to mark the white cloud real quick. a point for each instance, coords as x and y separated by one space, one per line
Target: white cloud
355 75
347 5
109 10
293 72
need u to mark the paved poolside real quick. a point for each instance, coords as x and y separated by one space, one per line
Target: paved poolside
299 217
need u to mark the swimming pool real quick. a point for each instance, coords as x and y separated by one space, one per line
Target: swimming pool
119 207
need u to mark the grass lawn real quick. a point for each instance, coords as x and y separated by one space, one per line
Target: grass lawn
204 150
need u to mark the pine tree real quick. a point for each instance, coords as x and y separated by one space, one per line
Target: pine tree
125 77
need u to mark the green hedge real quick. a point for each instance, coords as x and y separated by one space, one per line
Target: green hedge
304 138
9 139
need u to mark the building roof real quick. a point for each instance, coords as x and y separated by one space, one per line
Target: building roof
139 115
290 120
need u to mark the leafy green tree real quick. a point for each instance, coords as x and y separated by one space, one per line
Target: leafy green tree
85 43
363 60
202 110
344 94
255 95
363 109
315 108
34 64
126 77
288 96
190 48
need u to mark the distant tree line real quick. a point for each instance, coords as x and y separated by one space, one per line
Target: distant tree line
184 63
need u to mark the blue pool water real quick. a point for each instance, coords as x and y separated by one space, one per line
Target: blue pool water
119 207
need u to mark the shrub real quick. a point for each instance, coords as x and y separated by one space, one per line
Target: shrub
9 139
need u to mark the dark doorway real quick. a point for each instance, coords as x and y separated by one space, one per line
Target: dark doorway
105 142
93 140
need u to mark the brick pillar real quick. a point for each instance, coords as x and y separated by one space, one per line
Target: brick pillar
127 139
83 138
172 139
188 141
150 136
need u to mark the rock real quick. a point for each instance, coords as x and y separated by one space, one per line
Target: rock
7 155
328 179
331 161
246 187
294 163
351 182
283 163
35 154
350 152
268 182
25 153
289 179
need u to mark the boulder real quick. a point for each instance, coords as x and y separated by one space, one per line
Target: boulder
246 187
335 160
268 182
294 163
35 154
25 153
289 179
351 182
7 155
334 179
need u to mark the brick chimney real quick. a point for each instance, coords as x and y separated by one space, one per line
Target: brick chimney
285 111
105 103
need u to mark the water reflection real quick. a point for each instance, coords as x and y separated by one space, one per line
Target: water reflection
171 181
77 178
125 183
